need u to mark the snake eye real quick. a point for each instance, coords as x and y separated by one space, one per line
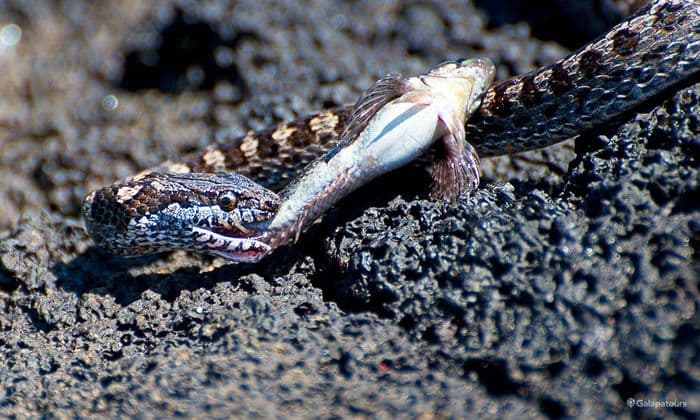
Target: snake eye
227 201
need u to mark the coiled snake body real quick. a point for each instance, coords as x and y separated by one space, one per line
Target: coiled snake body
198 205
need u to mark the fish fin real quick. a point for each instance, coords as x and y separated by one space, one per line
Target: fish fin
381 93
455 168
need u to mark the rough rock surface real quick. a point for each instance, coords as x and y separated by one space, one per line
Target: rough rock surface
562 288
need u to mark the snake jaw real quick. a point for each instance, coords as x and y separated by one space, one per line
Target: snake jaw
233 248
234 234
234 240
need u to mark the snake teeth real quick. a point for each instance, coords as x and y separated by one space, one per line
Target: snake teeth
237 249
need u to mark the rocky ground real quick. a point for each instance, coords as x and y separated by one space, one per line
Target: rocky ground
557 289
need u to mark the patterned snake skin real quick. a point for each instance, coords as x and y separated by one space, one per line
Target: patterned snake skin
652 52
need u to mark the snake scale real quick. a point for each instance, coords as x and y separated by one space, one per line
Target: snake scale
651 52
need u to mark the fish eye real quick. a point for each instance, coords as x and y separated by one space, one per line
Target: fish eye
227 201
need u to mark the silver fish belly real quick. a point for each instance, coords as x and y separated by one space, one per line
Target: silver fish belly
396 121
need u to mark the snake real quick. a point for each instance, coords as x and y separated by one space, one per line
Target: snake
221 200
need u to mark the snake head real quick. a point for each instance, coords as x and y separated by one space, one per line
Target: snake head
220 214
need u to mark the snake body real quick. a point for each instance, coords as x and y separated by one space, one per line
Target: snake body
651 52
